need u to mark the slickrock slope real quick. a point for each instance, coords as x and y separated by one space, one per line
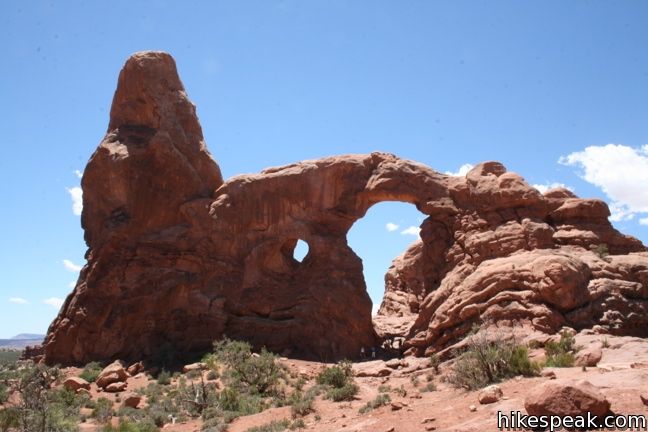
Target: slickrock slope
177 258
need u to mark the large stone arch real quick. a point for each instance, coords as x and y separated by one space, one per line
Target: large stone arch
177 258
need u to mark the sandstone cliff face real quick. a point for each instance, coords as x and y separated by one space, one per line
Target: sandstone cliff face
177 258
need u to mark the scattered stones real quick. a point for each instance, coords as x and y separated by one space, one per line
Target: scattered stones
547 373
397 406
566 397
589 356
132 400
194 367
112 373
472 408
428 420
490 394
374 368
75 384
115 387
135 368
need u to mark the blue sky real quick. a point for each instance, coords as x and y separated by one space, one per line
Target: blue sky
557 91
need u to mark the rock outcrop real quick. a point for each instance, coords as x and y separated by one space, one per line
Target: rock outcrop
178 258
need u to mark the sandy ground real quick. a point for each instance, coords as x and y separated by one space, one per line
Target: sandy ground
622 375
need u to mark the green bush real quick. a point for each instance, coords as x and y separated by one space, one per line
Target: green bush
485 362
129 426
435 362
102 411
561 353
9 419
90 372
4 393
380 400
41 407
301 403
164 377
336 376
255 373
344 393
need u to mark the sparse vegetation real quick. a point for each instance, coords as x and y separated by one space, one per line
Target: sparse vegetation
600 249
339 380
380 400
429 387
9 357
489 361
435 361
129 426
164 377
91 371
561 353
302 403
278 426
40 406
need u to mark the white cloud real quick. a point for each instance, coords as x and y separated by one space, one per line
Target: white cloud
548 186
54 302
70 266
391 226
18 300
620 171
76 193
643 221
463 170
412 230
78 173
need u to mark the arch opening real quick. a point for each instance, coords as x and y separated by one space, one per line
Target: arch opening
387 230
301 250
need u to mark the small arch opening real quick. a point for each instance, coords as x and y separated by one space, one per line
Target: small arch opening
301 250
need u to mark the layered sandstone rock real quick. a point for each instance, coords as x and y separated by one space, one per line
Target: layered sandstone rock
177 258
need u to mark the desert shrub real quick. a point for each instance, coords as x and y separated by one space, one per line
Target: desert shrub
400 391
383 388
164 377
274 426
9 357
255 373
9 419
339 382
380 400
4 393
344 393
561 353
214 424
212 375
129 426
601 250
301 403
336 376
102 411
414 379
488 361
90 372
40 407
429 387
435 361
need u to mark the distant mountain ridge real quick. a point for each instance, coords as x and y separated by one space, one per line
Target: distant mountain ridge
23 336
21 341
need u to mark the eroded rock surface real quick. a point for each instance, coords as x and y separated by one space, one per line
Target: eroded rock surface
178 258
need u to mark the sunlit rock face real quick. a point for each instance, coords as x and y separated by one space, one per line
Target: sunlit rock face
178 258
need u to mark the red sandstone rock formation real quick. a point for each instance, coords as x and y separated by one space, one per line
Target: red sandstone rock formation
177 258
